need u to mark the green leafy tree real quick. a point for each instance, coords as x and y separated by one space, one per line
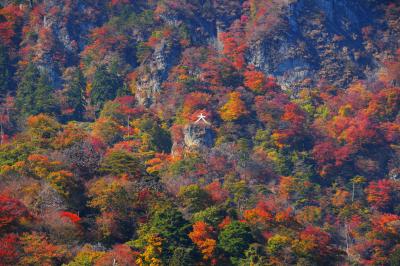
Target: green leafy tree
15 151
120 162
212 215
394 257
183 257
158 138
234 239
194 198
169 224
166 224
254 256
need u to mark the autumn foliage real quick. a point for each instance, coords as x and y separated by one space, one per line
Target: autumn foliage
12 213
234 108
202 236
104 161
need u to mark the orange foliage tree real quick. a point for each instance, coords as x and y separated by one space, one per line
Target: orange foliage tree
315 241
37 250
257 81
234 44
380 193
234 109
202 236
195 103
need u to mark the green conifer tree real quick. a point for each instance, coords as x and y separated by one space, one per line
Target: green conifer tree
234 239
25 100
124 90
104 87
44 101
75 94
5 72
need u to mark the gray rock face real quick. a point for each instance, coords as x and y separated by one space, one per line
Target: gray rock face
203 23
154 71
48 199
147 87
316 40
319 40
67 25
198 136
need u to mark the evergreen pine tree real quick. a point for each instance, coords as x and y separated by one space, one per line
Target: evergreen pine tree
104 87
5 72
25 100
44 101
75 94
124 90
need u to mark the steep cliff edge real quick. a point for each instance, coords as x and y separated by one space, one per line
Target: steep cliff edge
325 40
300 42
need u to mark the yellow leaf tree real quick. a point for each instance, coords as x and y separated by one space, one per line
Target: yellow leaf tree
234 109
152 252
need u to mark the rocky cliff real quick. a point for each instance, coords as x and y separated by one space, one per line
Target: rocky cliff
326 40
308 42
302 42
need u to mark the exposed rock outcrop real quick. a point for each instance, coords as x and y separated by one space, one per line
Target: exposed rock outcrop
198 135
320 40
154 71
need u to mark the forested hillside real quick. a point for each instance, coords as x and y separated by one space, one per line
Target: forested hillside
199 132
